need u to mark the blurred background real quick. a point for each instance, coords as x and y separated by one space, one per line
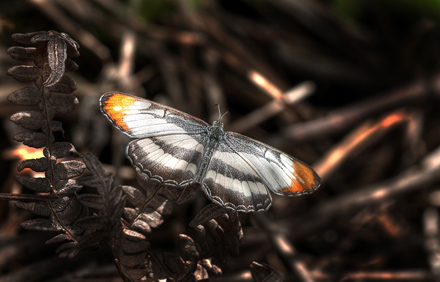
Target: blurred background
350 87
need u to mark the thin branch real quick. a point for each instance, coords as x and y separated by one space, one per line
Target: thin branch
344 118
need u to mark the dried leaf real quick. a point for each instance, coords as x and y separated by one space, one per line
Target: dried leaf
141 226
66 187
32 139
66 85
151 217
40 209
72 45
201 273
91 201
116 196
129 214
132 235
203 239
187 248
22 53
24 73
25 38
207 264
160 204
67 250
134 196
209 212
27 96
58 238
60 150
29 119
68 253
132 247
38 185
39 224
38 165
57 55
69 169
68 210
59 46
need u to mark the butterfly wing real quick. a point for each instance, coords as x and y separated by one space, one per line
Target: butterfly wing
230 182
170 159
281 173
171 142
140 118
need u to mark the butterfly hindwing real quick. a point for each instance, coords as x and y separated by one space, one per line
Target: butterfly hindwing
140 118
232 183
169 159
281 173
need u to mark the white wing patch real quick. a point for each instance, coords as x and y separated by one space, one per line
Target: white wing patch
171 159
232 183
281 173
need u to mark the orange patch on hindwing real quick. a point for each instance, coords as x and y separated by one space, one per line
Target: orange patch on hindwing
305 180
116 105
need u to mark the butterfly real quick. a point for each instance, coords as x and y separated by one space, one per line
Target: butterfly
177 149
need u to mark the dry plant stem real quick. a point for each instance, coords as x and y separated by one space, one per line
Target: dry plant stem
410 275
344 118
284 248
416 177
359 139
272 108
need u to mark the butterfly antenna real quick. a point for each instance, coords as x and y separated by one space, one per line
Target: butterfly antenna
223 115
219 112
220 115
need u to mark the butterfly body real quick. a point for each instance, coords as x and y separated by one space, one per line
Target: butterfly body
177 149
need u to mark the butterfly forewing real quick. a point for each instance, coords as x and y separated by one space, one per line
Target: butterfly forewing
281 173
140 118
232 183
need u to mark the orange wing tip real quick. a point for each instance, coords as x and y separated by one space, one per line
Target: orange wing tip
115 106
306 180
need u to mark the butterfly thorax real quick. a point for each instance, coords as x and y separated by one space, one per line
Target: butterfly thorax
216 130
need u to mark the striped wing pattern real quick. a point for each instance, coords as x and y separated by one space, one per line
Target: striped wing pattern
232 183
281 173
169 159
242 169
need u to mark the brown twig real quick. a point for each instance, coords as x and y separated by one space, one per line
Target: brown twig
272 108
344 118
359 139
